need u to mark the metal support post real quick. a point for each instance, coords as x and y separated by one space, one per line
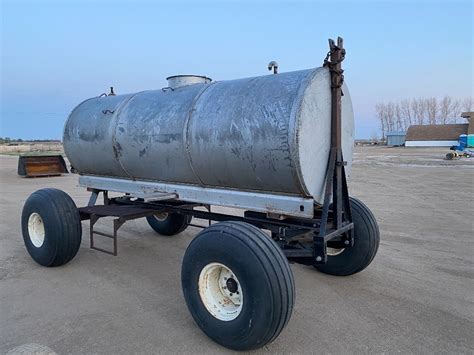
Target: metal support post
336 184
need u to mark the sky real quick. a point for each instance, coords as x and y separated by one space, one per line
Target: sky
55 54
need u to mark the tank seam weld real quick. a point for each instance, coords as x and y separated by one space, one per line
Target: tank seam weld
186 135
114 132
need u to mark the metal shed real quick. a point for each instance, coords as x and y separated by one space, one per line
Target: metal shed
395 139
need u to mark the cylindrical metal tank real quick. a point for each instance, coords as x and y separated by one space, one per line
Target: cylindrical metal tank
268 133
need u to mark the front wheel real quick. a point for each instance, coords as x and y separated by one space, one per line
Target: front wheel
348 261
51 227
237 285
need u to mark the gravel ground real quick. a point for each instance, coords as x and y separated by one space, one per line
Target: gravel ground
416 297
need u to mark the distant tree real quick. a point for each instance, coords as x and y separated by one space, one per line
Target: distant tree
467 104
448 108
418 108
431 107
406 112
399 115
380 110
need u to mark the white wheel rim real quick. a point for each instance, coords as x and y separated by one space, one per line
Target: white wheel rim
161 216
220 292
36 229
334 251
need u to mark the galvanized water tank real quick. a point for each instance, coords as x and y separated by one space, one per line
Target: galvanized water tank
268 133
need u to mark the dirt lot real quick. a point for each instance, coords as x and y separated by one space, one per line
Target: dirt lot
416 297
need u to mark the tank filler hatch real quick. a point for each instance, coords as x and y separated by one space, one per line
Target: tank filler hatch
177 81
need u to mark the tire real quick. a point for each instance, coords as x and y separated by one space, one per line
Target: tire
258 314
51 227
169 223
352 260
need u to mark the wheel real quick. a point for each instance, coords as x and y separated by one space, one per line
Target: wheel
51 227
348 261
169 223
238 285
450 156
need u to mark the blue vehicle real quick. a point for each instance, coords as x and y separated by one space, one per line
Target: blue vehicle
460 150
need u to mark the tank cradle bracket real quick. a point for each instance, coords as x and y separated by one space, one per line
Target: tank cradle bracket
95 194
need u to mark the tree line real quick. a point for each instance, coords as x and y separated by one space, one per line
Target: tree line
7 140
399 115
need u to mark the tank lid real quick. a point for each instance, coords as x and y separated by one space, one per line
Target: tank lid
177 81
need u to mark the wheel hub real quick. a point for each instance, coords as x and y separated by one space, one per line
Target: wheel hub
334 251
161 216
220 291
232 285
36 229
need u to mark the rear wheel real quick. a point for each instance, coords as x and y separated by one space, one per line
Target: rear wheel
237 285
51 227
168 224
450 156
348 261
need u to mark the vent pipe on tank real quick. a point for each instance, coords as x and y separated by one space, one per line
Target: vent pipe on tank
273 65
177 81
